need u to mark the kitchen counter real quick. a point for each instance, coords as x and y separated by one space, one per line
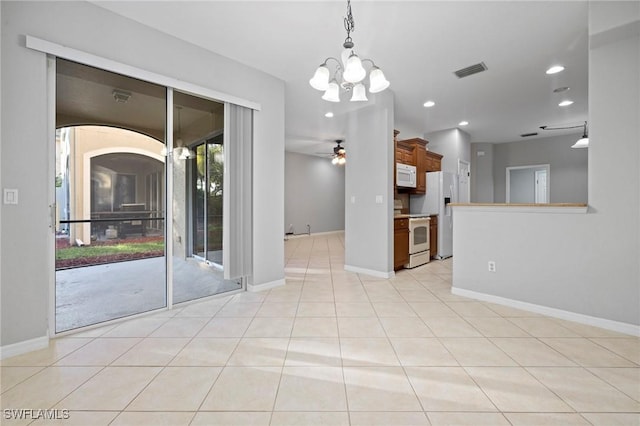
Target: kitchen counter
522 207
413 215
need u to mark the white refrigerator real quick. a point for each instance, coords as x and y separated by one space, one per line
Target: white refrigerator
442 189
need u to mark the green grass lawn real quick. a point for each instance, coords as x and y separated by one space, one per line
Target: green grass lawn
106 250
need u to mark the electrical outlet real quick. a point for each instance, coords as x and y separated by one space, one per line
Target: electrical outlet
491 265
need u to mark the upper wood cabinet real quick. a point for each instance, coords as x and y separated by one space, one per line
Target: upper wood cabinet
433 162
405 153
419 159
414 152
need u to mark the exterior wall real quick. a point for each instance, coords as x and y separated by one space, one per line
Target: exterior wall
88 142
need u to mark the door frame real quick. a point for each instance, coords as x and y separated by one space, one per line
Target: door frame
531 166
468 164
190 200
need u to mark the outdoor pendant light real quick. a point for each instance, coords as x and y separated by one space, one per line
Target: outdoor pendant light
349 72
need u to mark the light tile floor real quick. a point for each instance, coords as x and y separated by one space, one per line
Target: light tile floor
334 348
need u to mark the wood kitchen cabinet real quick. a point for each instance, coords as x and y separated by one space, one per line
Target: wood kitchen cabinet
405 153
418 151
400 242
414 152
433 162
433 235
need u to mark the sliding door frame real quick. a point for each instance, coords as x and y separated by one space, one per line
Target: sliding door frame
54 51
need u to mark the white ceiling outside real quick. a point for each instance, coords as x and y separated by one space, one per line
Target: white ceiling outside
418 44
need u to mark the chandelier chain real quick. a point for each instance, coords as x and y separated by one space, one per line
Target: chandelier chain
349 23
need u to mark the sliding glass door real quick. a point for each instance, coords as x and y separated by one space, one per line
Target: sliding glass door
198 190
118 253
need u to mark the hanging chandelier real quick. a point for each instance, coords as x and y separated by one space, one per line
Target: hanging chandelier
349 73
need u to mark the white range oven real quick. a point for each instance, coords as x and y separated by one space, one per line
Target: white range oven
419 253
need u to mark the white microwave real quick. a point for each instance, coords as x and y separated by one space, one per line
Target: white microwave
405 175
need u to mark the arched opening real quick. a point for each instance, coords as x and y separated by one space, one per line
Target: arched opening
104 173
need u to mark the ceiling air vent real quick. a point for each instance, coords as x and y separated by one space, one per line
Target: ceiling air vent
526 135
473 69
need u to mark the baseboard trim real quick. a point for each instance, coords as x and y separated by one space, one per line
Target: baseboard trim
265 286
313 234
620 327
379 274
23 347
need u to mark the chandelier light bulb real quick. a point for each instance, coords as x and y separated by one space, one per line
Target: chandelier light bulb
354 72
377 81
359 93
342 160
320 80
334 161
332 94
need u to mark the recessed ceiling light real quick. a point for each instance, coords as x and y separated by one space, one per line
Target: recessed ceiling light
329 115
463 123
555 69
560 89
565 103
429 104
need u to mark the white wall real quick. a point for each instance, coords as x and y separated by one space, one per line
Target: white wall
482 173
580 263
26 264
313 194
369 173
453 145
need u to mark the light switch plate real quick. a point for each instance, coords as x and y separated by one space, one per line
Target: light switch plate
10 196
378 199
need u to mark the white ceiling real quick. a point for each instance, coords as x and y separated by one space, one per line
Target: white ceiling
418 45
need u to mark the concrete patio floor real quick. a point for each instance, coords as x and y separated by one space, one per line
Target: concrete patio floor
94 294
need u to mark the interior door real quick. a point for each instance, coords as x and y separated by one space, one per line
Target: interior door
463 182
541 187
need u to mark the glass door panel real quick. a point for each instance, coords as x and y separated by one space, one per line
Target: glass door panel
198 185
110 245
198 165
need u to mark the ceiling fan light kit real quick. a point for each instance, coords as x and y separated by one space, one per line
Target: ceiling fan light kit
349 71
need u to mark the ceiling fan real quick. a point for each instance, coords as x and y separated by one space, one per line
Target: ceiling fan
339 154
